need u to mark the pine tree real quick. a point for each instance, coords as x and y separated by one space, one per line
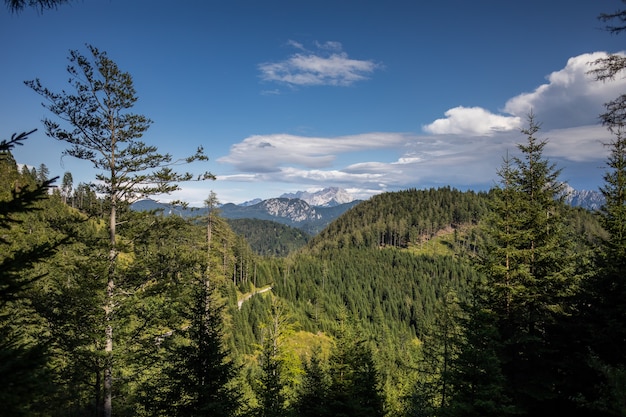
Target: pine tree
440 348
476 373
355 386
604 301
24 373
98 126
271 385
67 187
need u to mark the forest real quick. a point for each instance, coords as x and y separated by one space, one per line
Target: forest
421 302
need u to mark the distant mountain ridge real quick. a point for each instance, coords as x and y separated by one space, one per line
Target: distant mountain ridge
588 199
289 211
328 197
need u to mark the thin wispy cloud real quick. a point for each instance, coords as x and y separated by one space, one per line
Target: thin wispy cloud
267 153
327 64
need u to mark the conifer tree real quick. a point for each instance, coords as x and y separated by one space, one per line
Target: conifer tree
67 187
529 274
24 372
440 348
98 126
270 391
604 305
355 386
313 398
199 371
476 373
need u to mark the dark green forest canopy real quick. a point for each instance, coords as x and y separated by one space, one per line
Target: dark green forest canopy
269 238
403 217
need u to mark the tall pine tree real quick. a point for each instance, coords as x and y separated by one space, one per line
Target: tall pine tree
97 124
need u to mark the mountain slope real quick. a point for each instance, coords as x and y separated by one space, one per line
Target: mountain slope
269 238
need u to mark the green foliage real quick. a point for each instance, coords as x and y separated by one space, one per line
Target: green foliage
198 373
402 218
531 277
98 126
268 238
313 397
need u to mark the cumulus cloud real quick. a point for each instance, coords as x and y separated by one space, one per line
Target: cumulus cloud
327 65
571 97
472 121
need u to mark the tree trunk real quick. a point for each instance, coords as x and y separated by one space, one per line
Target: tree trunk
108 315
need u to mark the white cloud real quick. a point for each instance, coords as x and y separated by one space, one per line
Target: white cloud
267 153
472 121
571 97
329 65
463 149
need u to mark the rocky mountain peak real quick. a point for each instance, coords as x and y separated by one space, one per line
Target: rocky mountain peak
328 197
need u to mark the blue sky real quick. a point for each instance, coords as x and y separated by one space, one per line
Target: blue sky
370 96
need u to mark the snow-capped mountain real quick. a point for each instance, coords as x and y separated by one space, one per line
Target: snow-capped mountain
328 197
591 200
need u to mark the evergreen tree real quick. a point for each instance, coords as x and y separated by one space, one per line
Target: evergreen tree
42 174
440 347
606 291
270 391
313 398
19 5
67 187
99 127
355 386
603 306
529 275
24 372
476 373
199 371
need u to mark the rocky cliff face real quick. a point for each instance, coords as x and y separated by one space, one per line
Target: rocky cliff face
295 210
591 200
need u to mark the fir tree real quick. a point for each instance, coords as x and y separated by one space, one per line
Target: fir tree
313 397
529 273
200 372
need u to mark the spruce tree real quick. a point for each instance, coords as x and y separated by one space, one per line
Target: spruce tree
199 370
355 385
313 398
529 273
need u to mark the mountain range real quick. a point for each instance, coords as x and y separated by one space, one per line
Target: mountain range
312 211
307 211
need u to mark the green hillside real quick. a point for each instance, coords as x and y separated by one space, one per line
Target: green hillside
269 238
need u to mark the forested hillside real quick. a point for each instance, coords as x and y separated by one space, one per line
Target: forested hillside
269 238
